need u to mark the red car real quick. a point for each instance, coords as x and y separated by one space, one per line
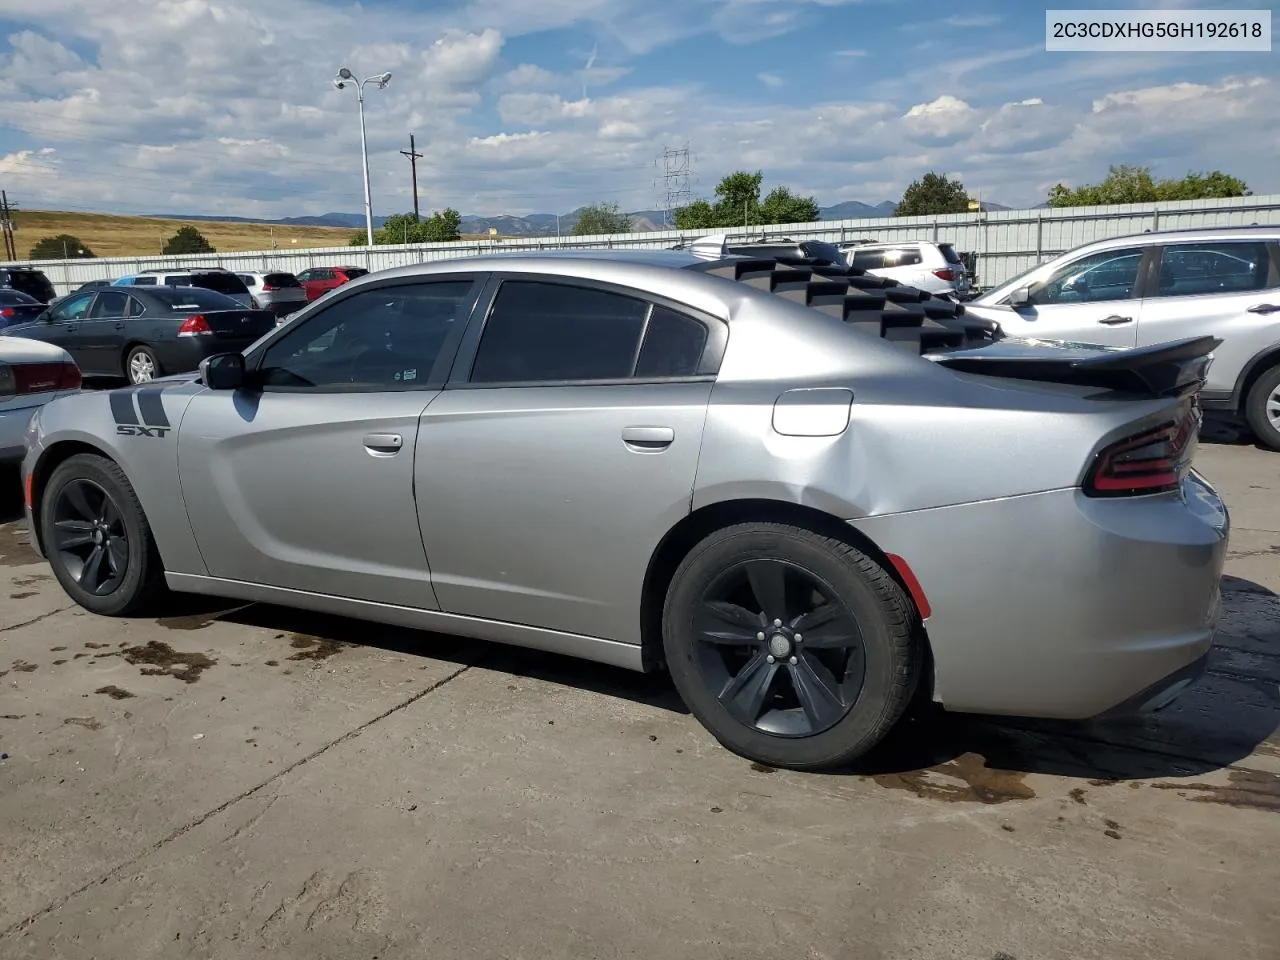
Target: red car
318 281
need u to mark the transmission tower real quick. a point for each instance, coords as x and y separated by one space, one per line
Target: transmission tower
677 170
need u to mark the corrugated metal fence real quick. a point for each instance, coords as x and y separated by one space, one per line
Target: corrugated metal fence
1002 243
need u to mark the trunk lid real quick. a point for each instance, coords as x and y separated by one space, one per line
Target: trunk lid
239 324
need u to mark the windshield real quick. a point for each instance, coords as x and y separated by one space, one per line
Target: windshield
193 298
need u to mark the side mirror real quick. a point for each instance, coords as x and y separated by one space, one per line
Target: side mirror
1020 297
223 371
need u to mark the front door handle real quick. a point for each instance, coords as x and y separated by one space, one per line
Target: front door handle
648 439
383 444
1264 308
1115 320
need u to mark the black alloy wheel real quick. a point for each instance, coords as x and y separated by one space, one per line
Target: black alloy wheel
90 536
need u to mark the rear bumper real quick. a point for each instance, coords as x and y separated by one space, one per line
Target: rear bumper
13 427
1058 605
184 354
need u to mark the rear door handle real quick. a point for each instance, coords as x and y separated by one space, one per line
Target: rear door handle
648 438
383 444
1115 320
1264 308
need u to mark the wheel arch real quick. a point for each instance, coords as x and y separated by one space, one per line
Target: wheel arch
700 523
1253 371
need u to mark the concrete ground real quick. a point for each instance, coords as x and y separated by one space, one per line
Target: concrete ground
252 781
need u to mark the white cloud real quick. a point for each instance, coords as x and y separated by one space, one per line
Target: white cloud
771 80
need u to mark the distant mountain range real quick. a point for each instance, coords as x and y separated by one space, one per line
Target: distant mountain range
545 224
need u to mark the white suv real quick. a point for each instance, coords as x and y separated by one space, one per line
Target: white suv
934 267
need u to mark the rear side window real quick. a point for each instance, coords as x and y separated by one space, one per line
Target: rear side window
353 272
866 259
1198 268
895 257
949 253
248 279
221 282
547 332
281 280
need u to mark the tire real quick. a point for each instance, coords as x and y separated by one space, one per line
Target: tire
1265 393
130 578
711 649
141 365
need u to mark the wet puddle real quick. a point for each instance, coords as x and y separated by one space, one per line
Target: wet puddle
1248 789
313 648
163 660
967 779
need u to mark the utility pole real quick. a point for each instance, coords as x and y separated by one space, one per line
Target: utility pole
676 171
414 156
6 218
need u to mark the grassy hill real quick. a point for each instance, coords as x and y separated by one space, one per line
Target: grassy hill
108 235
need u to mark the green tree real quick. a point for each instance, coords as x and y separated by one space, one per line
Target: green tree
738 204
441 227
601 218
62 247
187 240
1132 184
931 195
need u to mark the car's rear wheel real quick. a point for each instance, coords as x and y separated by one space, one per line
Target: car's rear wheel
141 365
1262 409
792 649
97 538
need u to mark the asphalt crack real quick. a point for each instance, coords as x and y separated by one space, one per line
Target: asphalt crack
43 616
190 825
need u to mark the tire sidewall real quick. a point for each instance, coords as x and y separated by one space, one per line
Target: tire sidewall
1256 409
87 467
862 726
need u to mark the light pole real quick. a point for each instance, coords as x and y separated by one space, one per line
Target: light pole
343 78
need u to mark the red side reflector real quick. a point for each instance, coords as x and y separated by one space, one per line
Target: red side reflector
912 585
27 482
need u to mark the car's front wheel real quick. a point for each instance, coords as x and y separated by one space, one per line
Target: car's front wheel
1262 409
97 538
792 649
141 365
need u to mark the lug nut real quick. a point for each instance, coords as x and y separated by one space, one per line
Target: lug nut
769 658
794 661
799 638
760 635
777 623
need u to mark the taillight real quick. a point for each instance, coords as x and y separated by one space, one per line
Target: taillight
947 275
1154 461
8 313
19 379
269 287
195 326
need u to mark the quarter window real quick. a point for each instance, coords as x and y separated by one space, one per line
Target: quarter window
548 332
1109 275
387 338
1198 268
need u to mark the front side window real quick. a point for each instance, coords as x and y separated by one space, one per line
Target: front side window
73 309
540 332
1198 268
387 338
1099 277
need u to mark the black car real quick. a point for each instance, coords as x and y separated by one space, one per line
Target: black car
91 285
141 334
28 280
18 307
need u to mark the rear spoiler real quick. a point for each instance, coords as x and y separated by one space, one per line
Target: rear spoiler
1173 369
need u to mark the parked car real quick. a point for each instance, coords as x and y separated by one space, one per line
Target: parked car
31 374
280 292
91 285
17 307
1154 287
216 279
317 281
28 280
791 486
935 267
765 247
145 332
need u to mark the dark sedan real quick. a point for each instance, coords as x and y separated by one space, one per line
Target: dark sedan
18 307
141 334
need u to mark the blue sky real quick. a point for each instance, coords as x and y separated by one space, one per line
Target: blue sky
196 106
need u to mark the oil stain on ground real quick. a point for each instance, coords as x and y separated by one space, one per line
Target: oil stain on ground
114 692
164 661
967 779
1249 789
313 648
32 580
15 546
195 621
89 723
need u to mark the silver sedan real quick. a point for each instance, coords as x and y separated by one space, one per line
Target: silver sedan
811 495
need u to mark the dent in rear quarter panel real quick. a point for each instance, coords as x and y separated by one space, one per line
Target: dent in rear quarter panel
1058 605
149 462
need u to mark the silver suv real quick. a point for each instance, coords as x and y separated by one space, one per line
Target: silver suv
923 264
279 292
1156 287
